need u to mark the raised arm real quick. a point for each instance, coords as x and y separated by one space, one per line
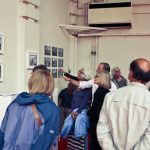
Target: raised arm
74 82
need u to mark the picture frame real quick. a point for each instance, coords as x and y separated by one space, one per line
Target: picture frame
54 62
1 72
47 61
1 44
60 73
32 59
60 62
54 73
60 52
47 50
54 51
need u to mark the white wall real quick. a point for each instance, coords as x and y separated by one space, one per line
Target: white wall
53 13
22 35
8 27
118 47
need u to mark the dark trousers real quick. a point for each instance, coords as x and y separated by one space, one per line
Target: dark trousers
94 145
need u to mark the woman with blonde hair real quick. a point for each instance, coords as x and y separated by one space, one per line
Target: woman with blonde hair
103 80
32 119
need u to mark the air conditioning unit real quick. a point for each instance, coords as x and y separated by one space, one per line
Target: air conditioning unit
110 15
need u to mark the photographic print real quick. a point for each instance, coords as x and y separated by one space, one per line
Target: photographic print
32 59
60 52
47 50
60 73
54 62
1 44
60 62
1 72
47 61
54 51
54 73
49 70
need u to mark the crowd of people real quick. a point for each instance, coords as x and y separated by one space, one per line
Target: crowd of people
115 114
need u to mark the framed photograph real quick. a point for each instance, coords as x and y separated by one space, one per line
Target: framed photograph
60 52
54 73
54 62
60 73
47 50
60 62
47 61
49 70
32 59
54 51
1 44
1 72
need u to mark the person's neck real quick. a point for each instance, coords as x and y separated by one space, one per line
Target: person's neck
134 80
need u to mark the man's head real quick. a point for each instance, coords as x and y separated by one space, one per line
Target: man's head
40 67
116 73
103 67
139 71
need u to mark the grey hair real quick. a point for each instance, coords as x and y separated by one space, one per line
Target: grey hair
114 69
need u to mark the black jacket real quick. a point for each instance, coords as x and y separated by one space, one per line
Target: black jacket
94 111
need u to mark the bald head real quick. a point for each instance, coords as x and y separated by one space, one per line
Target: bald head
143 64
141 69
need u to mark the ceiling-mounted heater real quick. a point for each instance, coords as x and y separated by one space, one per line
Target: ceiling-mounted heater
110 15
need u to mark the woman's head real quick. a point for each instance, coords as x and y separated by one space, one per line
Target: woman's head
103 79
41 82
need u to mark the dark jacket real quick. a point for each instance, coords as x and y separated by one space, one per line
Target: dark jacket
19 127
94 111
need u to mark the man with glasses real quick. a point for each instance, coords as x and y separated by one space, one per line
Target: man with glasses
103 66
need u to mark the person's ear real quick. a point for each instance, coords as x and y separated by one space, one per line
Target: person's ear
130 75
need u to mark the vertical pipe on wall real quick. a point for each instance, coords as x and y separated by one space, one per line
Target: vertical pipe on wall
97 51
73 12
93 54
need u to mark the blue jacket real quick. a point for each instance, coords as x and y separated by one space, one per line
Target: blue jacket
19 129
81 125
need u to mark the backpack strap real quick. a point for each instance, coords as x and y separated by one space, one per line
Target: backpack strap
37 117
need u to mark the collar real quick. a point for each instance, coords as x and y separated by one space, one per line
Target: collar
139 85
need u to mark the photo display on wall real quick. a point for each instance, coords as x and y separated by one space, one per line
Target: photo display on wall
54 51
47 50
54 73
47 61
54 60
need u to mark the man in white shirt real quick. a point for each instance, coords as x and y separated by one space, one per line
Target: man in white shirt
124 122
87 84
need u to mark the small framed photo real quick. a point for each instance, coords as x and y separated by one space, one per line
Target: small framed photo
1 44
1 72
49 70
47 50
60 52
60 73
54 73
47 61
60 62
54 51
32 59
54 62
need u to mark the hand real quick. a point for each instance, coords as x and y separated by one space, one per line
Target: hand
66 78
74 115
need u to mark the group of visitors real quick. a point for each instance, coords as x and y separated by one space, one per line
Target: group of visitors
114 113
